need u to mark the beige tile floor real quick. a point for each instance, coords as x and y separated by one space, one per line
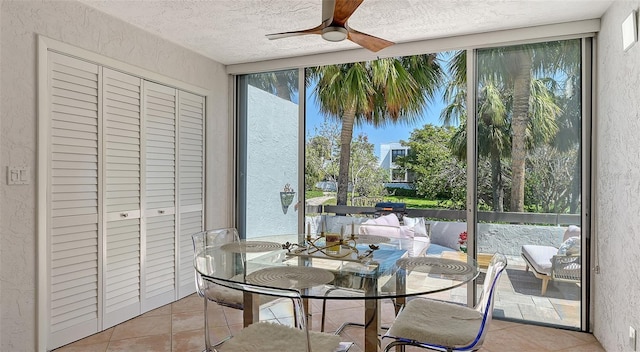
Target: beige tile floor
179 327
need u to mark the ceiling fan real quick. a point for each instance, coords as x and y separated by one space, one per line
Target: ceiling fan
334 27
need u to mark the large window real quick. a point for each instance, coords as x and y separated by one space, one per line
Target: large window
502 163
528 118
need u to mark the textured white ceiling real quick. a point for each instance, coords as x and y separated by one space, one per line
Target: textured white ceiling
233 31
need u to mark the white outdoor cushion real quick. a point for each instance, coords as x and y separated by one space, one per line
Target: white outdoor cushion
539 257
437 322
418 224
266 336
389 220
420 246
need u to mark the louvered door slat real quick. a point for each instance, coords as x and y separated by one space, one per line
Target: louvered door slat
122 138
190 185
73 194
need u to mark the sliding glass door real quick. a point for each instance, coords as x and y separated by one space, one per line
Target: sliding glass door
529 118
268 153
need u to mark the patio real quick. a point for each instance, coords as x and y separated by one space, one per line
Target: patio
519 298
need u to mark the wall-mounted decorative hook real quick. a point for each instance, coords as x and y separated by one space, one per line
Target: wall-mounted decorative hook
286 197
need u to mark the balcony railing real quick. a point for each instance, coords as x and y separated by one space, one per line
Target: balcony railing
459 215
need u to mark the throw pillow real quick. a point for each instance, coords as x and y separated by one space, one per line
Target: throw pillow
418 224
570 247
389 220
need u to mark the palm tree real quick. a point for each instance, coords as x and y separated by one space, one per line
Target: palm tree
379 92
498 119
283 84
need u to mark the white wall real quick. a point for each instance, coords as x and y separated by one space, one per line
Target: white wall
272 162
617 287
81 26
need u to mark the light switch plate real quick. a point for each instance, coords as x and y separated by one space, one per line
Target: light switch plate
18 175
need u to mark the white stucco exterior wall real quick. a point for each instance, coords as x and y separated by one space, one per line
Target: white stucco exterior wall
272 162
616 298
84 27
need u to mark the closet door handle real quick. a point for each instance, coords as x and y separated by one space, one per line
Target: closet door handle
160 211
124 215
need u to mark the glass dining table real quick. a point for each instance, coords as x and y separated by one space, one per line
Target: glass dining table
363 267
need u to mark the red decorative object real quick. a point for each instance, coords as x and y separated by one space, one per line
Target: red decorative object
462 240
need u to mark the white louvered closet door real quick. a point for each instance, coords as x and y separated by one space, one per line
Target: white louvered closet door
159 284
190 184
74 210
122 182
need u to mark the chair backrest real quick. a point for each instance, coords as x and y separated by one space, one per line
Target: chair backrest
203 244
487 296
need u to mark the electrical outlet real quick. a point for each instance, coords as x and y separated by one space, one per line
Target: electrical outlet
632 338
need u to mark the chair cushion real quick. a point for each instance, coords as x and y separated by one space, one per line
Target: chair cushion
231 297
275 337
539 257
436 322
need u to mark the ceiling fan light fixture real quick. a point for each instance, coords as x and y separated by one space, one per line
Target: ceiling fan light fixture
334 34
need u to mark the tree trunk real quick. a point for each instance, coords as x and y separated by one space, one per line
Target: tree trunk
496 182
346 134
282 89
576 183
519 122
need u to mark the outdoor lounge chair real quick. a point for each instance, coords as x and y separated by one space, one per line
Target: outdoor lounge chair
560 264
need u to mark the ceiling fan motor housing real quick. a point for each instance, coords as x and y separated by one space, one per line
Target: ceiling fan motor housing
334 33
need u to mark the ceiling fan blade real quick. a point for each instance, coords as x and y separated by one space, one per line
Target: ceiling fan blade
368 41
315 30
343 10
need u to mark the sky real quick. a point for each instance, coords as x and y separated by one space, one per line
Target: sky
388 134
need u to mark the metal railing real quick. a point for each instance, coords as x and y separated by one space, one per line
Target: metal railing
459 215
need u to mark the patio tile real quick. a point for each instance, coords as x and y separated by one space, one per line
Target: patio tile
542 302
507 310
568 314
533 313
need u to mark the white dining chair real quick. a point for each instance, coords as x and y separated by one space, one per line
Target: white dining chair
444 326
232 263
273 336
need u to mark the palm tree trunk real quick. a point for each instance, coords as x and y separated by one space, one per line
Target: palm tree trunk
521 93
346 134
496 181
575 183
